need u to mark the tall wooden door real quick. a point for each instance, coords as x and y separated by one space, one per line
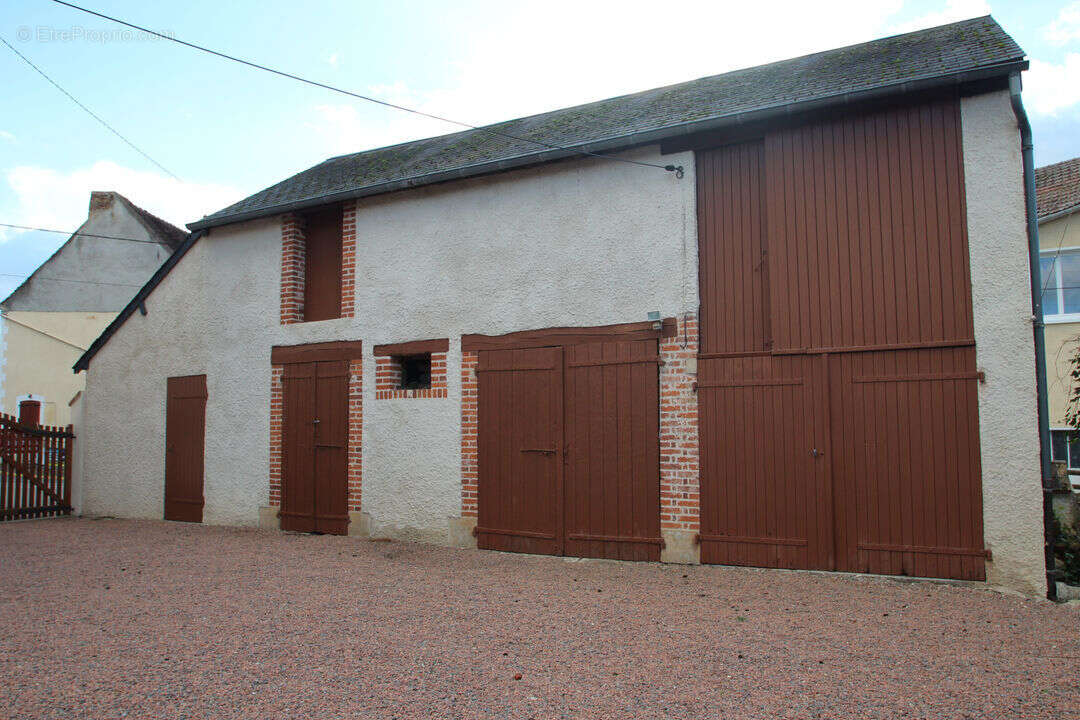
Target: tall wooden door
185 433
315 437
520 450
837 371
569 456
612 499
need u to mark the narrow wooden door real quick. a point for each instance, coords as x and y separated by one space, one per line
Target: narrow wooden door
612 507
315 491
520 450
185 432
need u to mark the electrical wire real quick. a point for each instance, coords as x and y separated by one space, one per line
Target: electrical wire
81 282
89 112
677 169
80 234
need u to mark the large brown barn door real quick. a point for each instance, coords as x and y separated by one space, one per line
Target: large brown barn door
315 490
836 289
765 492
520 450
612 507
185 432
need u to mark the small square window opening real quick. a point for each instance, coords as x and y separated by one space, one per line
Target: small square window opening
415 371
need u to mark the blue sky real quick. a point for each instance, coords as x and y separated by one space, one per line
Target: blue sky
227 131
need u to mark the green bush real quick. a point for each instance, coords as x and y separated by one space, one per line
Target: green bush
1067 547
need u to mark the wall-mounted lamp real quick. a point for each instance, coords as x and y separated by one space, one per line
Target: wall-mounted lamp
654 318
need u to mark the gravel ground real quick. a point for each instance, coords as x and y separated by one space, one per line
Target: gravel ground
115 618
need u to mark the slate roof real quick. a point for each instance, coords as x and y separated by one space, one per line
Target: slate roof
1057 187
902 62
161 230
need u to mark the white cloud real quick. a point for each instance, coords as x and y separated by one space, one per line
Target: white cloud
954 10
5 135
333 59
1051 88
48 198
1065 27
601 51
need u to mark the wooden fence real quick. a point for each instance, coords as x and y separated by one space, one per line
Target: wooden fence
35 470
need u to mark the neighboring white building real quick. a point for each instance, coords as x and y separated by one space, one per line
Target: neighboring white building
52 317
785 323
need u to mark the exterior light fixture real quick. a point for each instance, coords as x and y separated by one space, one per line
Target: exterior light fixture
654 318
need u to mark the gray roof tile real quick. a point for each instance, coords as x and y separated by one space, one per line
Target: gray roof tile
965 46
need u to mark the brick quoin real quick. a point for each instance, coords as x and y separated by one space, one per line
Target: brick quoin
292 268
388 379
356 433
354 453
680 484
470 415
348 260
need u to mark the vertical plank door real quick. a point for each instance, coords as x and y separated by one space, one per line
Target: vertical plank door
520 450
185 432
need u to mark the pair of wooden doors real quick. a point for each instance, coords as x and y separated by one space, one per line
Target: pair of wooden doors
315 447
185 432
569 450
837 379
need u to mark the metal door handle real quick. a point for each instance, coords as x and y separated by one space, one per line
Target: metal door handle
545 451
816 453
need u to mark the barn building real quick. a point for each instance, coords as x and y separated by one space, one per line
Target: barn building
778 317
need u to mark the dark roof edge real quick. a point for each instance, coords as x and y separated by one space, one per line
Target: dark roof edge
1060 213
626 141
83 363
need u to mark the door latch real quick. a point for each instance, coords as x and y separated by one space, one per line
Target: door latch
816 453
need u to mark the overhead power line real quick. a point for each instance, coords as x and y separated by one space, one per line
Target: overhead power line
89 112
80 282
367 98
81 234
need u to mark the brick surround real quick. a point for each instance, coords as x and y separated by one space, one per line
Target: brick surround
470 415
292 269
354 457
680 486
348 260
293 262
388 379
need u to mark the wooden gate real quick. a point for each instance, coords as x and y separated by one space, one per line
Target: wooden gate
35 470
569 449
315 490
839 419
185 434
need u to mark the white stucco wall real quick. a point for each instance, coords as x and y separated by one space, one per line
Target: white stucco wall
576 243
1001 295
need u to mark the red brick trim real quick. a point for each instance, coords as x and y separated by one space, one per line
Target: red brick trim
292 269
356 433
470 416
388 379
680 496
355 455
348 260
277 415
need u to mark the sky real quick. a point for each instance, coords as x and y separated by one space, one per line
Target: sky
218 131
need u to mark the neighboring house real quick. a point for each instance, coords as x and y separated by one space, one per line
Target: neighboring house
806 344
1058 191
54 315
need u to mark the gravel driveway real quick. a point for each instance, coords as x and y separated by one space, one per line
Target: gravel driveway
114 618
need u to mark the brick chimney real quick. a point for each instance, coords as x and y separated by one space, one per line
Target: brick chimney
100 200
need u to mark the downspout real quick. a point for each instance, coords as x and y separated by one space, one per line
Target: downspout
1027 151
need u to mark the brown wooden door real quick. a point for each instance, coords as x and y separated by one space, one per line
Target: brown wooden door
185 432
612 498
520 450
837 369
315 490
569 455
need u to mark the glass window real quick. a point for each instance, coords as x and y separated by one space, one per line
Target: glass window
1065 445
1069 277
1047 268
1061 282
